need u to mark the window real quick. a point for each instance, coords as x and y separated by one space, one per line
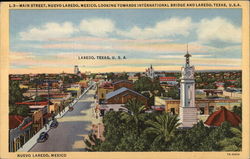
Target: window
202 110
172 110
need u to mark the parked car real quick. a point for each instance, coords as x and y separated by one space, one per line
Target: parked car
71 109
43 137
54 124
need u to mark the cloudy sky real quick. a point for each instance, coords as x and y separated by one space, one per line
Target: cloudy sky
51 40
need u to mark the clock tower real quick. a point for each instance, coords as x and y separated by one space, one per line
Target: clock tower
188 111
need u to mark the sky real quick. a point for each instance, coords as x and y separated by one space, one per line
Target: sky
50 41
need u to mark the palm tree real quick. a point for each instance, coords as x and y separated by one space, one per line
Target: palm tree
233 143
163 128
92 143
134 113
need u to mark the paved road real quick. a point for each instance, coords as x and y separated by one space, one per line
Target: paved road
73 126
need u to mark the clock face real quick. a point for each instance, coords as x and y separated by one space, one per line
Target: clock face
189 73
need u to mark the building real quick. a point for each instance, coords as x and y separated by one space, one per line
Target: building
123 95
150 72
37 118
20 131
104 89
213 92
205 107
123 83
232 93
170 81
133 78
37 92
75 90
76 70
188 110
222 115
84 84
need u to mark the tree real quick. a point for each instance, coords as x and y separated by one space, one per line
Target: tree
23 110
135 109
146 84
15 93
92 143
210 141
110 76
227 84
123 76
114 130
201 138
40 99
12 110
238 110
233 143
132 142
163 128
121 132
143 84
210 86
173 92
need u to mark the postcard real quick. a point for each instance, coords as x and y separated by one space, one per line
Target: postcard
116 79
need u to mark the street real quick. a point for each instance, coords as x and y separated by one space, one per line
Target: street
73 126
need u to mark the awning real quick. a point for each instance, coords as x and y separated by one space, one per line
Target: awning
25 126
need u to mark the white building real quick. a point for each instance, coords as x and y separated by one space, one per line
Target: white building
76 70
188 111
150 72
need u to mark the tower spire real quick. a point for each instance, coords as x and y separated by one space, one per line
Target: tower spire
187 57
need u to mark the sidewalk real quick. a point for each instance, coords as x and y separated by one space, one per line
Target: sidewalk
33 140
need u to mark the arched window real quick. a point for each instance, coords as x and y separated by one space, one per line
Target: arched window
202 110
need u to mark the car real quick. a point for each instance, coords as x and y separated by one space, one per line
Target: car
43 137
54 124
71 109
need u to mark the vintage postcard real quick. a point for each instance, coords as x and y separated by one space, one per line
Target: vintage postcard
136 79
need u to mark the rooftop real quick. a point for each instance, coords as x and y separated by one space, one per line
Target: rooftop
124 81
15 121
222 115
119 91
34 103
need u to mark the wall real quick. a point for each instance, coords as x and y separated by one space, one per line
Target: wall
204 105
37 118
101 93
124 97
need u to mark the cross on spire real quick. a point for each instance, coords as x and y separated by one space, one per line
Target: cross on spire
187 57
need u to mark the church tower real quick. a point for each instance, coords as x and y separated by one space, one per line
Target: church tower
150 72
188 111
76 70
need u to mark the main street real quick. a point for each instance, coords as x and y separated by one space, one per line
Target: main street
72 128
